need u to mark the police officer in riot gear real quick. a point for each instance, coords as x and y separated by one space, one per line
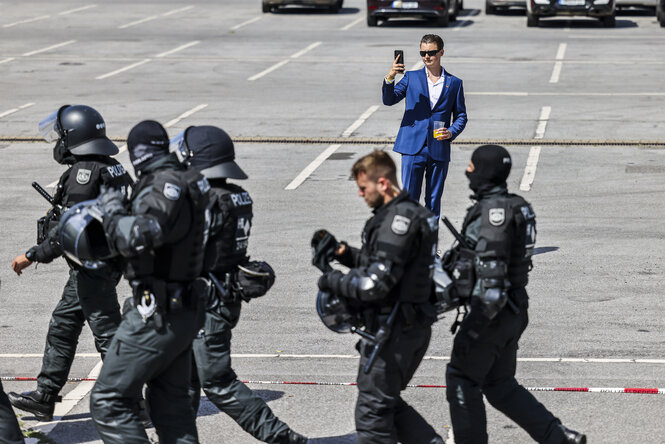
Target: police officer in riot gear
393 265
89 295
500 230
160 235
10 432
213 154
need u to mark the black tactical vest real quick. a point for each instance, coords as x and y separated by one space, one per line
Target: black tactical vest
518 225
231 222
180 258
417 251
83 180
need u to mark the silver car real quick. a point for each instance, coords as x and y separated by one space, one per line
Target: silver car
332 5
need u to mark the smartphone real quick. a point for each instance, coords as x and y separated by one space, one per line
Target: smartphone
399 53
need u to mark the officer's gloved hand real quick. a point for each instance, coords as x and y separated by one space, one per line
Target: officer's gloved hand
112 201
324 245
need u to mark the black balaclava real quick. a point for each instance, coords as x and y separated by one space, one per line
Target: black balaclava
61 154
491 168
147 142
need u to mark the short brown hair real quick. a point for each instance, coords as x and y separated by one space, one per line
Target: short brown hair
376 164
433 38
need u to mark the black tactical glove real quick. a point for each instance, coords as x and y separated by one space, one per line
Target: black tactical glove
324 245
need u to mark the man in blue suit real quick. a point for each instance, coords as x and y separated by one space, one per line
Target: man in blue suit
432 94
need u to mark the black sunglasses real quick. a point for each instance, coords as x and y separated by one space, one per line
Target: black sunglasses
431 53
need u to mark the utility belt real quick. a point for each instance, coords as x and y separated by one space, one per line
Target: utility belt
408 316
153 298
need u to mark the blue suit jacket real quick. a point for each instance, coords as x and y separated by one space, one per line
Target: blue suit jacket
416 127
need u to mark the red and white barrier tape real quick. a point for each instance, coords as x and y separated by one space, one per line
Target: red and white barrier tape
636 390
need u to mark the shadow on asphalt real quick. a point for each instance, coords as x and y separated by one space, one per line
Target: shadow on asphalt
541 250
313 11
343 439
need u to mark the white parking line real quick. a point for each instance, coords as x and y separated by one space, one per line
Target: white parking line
283 62
355 125
41 17
352 24
153 17
71 11
542 121
245 23
556 71
566 94
48 48
179 48
126 68
13 110
8 59
69 401
530 170
309 169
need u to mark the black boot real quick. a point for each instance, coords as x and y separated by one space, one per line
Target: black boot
291 437
39 404
572 437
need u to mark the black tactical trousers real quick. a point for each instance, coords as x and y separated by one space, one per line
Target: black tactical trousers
382 416
487 365
212 356
10 433
87 296
161 358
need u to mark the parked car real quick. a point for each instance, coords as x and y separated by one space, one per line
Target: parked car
660 13
437 10
491 6
649 4
605 10
332 5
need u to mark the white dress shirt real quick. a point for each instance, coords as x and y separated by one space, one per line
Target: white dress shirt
435 88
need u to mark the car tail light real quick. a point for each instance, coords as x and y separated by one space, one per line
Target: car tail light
372 7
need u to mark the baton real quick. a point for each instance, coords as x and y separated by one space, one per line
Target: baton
381 337
455 233
42 192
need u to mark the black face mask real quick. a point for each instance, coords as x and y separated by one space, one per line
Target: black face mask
491 168
475 181
62 155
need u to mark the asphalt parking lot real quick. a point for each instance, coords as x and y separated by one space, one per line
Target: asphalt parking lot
581 106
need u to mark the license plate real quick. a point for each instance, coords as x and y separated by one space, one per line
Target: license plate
571 2
398 4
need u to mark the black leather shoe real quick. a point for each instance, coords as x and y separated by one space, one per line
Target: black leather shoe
39 404
573 437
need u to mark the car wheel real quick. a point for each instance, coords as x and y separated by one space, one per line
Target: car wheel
337 6
489 8
371 20
531 20
609 21
452 15
266 7
443 21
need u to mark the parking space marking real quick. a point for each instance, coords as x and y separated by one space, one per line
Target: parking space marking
154 17
309 169
126 68
530 170
14 110
70 400
542 121
8 59
565 94
179 48
71 11
558 64
352 24
283 62
245 23
48 48
34 19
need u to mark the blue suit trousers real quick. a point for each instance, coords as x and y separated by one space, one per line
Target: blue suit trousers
414 167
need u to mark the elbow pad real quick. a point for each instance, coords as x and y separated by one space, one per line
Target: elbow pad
371 284
134 234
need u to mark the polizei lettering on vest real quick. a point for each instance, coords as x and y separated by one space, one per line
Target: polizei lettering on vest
240 199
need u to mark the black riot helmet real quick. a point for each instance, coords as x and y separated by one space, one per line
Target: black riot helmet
211 151
79 130
491 167
82 237
147 142
334 312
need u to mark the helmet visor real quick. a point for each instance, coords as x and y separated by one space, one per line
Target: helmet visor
178 145
48 127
